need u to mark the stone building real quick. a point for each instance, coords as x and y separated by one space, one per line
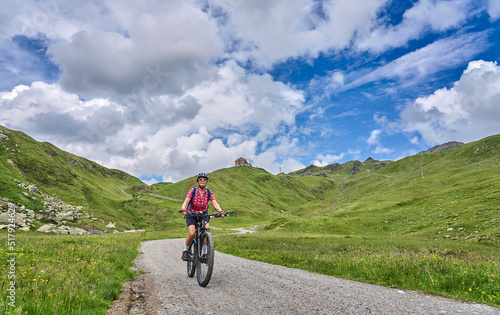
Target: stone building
241 162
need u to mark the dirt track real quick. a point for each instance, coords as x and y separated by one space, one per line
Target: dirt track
241 286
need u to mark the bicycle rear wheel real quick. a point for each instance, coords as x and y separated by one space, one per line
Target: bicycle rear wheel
206 264
191 263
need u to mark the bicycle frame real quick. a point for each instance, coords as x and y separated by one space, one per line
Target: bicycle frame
199 262
200 228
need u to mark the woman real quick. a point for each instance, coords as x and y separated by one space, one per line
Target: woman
198 203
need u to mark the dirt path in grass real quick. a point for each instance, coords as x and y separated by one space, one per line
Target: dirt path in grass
241 286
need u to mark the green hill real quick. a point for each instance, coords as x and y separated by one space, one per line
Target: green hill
253 196
72 179
451 194
338 171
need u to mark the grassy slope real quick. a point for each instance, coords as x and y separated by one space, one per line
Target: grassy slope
72 179
252 196
459 191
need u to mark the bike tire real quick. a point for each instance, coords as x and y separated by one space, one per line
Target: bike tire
206 266
191 263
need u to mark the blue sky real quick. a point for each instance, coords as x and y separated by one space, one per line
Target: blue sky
167 89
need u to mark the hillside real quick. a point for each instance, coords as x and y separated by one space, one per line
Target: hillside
337 170
35 174
451 194
254 196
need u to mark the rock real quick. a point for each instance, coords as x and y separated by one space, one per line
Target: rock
355 167
30 214
63 229
4 204
47 228
111 225
443 147
33 188
17 219
67 216
77 231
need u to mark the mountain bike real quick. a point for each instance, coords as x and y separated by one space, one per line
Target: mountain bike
202 263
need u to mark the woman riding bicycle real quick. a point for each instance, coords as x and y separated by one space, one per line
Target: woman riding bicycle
197 203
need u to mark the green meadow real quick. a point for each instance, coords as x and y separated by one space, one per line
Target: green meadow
426 222
62 274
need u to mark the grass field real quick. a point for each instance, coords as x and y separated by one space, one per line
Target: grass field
62 274
464 271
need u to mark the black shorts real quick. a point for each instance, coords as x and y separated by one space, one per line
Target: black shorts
192 220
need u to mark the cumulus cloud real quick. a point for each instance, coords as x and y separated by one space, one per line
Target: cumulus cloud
168 136
438 16
273 31
156 55
494 9
374 140
466 112
46 110
323 160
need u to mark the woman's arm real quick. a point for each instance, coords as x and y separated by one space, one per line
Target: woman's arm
185 203
217 207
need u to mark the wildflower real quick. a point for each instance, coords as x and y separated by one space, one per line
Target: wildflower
470 290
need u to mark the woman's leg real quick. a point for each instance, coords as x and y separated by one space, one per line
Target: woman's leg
191 234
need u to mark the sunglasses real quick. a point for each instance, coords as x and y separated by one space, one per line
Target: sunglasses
202 179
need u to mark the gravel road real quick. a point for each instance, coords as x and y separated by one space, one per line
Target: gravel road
240 286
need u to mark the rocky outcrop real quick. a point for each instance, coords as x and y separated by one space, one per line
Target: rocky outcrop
334 167
443 147
58 215
355 167
61 229
19 216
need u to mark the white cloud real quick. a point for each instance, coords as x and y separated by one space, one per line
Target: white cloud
374 137
291 165
439 16
276 30
421 64
323 160
494 9
466 112
172 136
156 55
374 140
247 103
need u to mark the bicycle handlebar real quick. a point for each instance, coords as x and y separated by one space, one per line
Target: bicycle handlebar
199 214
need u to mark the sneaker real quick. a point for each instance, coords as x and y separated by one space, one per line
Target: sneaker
185 255
204 259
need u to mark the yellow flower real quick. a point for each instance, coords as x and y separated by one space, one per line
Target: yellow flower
470 290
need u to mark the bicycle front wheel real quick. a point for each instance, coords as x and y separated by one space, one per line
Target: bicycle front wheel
191 263
206 262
